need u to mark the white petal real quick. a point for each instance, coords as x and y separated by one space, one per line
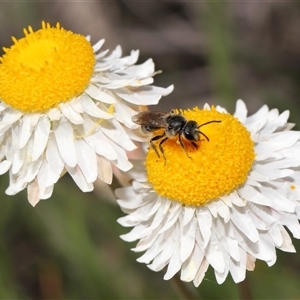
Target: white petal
46 193
27 126
189 213
238 269
143 70
254 196
4 166
54 114
100 144
250 262
292 223
30 170
191 266
174 264
113 130
286 241
64 139
241 111
41 135
275 233
46 177
86 159
233 198
105 97
201 272
205 224
130 59
33 193
104 169
279 201
149 95
163 252
79 179
260 250
174 212
214 255
98 45
19 158
9 118
54 159
133 235
261 113
15 185
146 242
122 161
244 223
70 113
95 93
221 276
223 211
187 240
271 172
264 213
92 109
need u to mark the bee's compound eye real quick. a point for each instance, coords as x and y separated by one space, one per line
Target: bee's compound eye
190 131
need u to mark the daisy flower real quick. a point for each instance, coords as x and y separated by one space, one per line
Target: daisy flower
227 204
66 106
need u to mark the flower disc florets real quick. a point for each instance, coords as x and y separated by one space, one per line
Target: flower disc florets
45 68
208 171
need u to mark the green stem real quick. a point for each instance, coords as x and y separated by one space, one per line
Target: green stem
216 22
245 290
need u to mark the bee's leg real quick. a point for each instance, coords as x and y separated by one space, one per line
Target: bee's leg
162 149
155 138
195 145
182 145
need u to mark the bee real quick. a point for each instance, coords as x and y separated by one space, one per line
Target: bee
174 125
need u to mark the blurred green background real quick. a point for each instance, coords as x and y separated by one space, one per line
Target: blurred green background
68 247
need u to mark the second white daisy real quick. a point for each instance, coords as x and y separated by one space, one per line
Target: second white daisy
226 205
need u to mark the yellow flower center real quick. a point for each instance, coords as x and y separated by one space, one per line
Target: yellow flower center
45 68
215 168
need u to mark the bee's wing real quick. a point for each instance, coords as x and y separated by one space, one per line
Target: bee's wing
150 118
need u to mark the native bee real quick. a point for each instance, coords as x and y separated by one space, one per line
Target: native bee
174 125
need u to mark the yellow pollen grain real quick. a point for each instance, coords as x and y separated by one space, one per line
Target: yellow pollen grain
215 169
293 187
111 109
45 68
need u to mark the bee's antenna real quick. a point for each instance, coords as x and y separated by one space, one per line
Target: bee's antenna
213 121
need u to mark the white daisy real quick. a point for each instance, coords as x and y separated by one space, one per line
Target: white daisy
226 206
66 107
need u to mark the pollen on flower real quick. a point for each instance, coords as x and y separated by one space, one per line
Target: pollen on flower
45 68
216 168
293 187
111 109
